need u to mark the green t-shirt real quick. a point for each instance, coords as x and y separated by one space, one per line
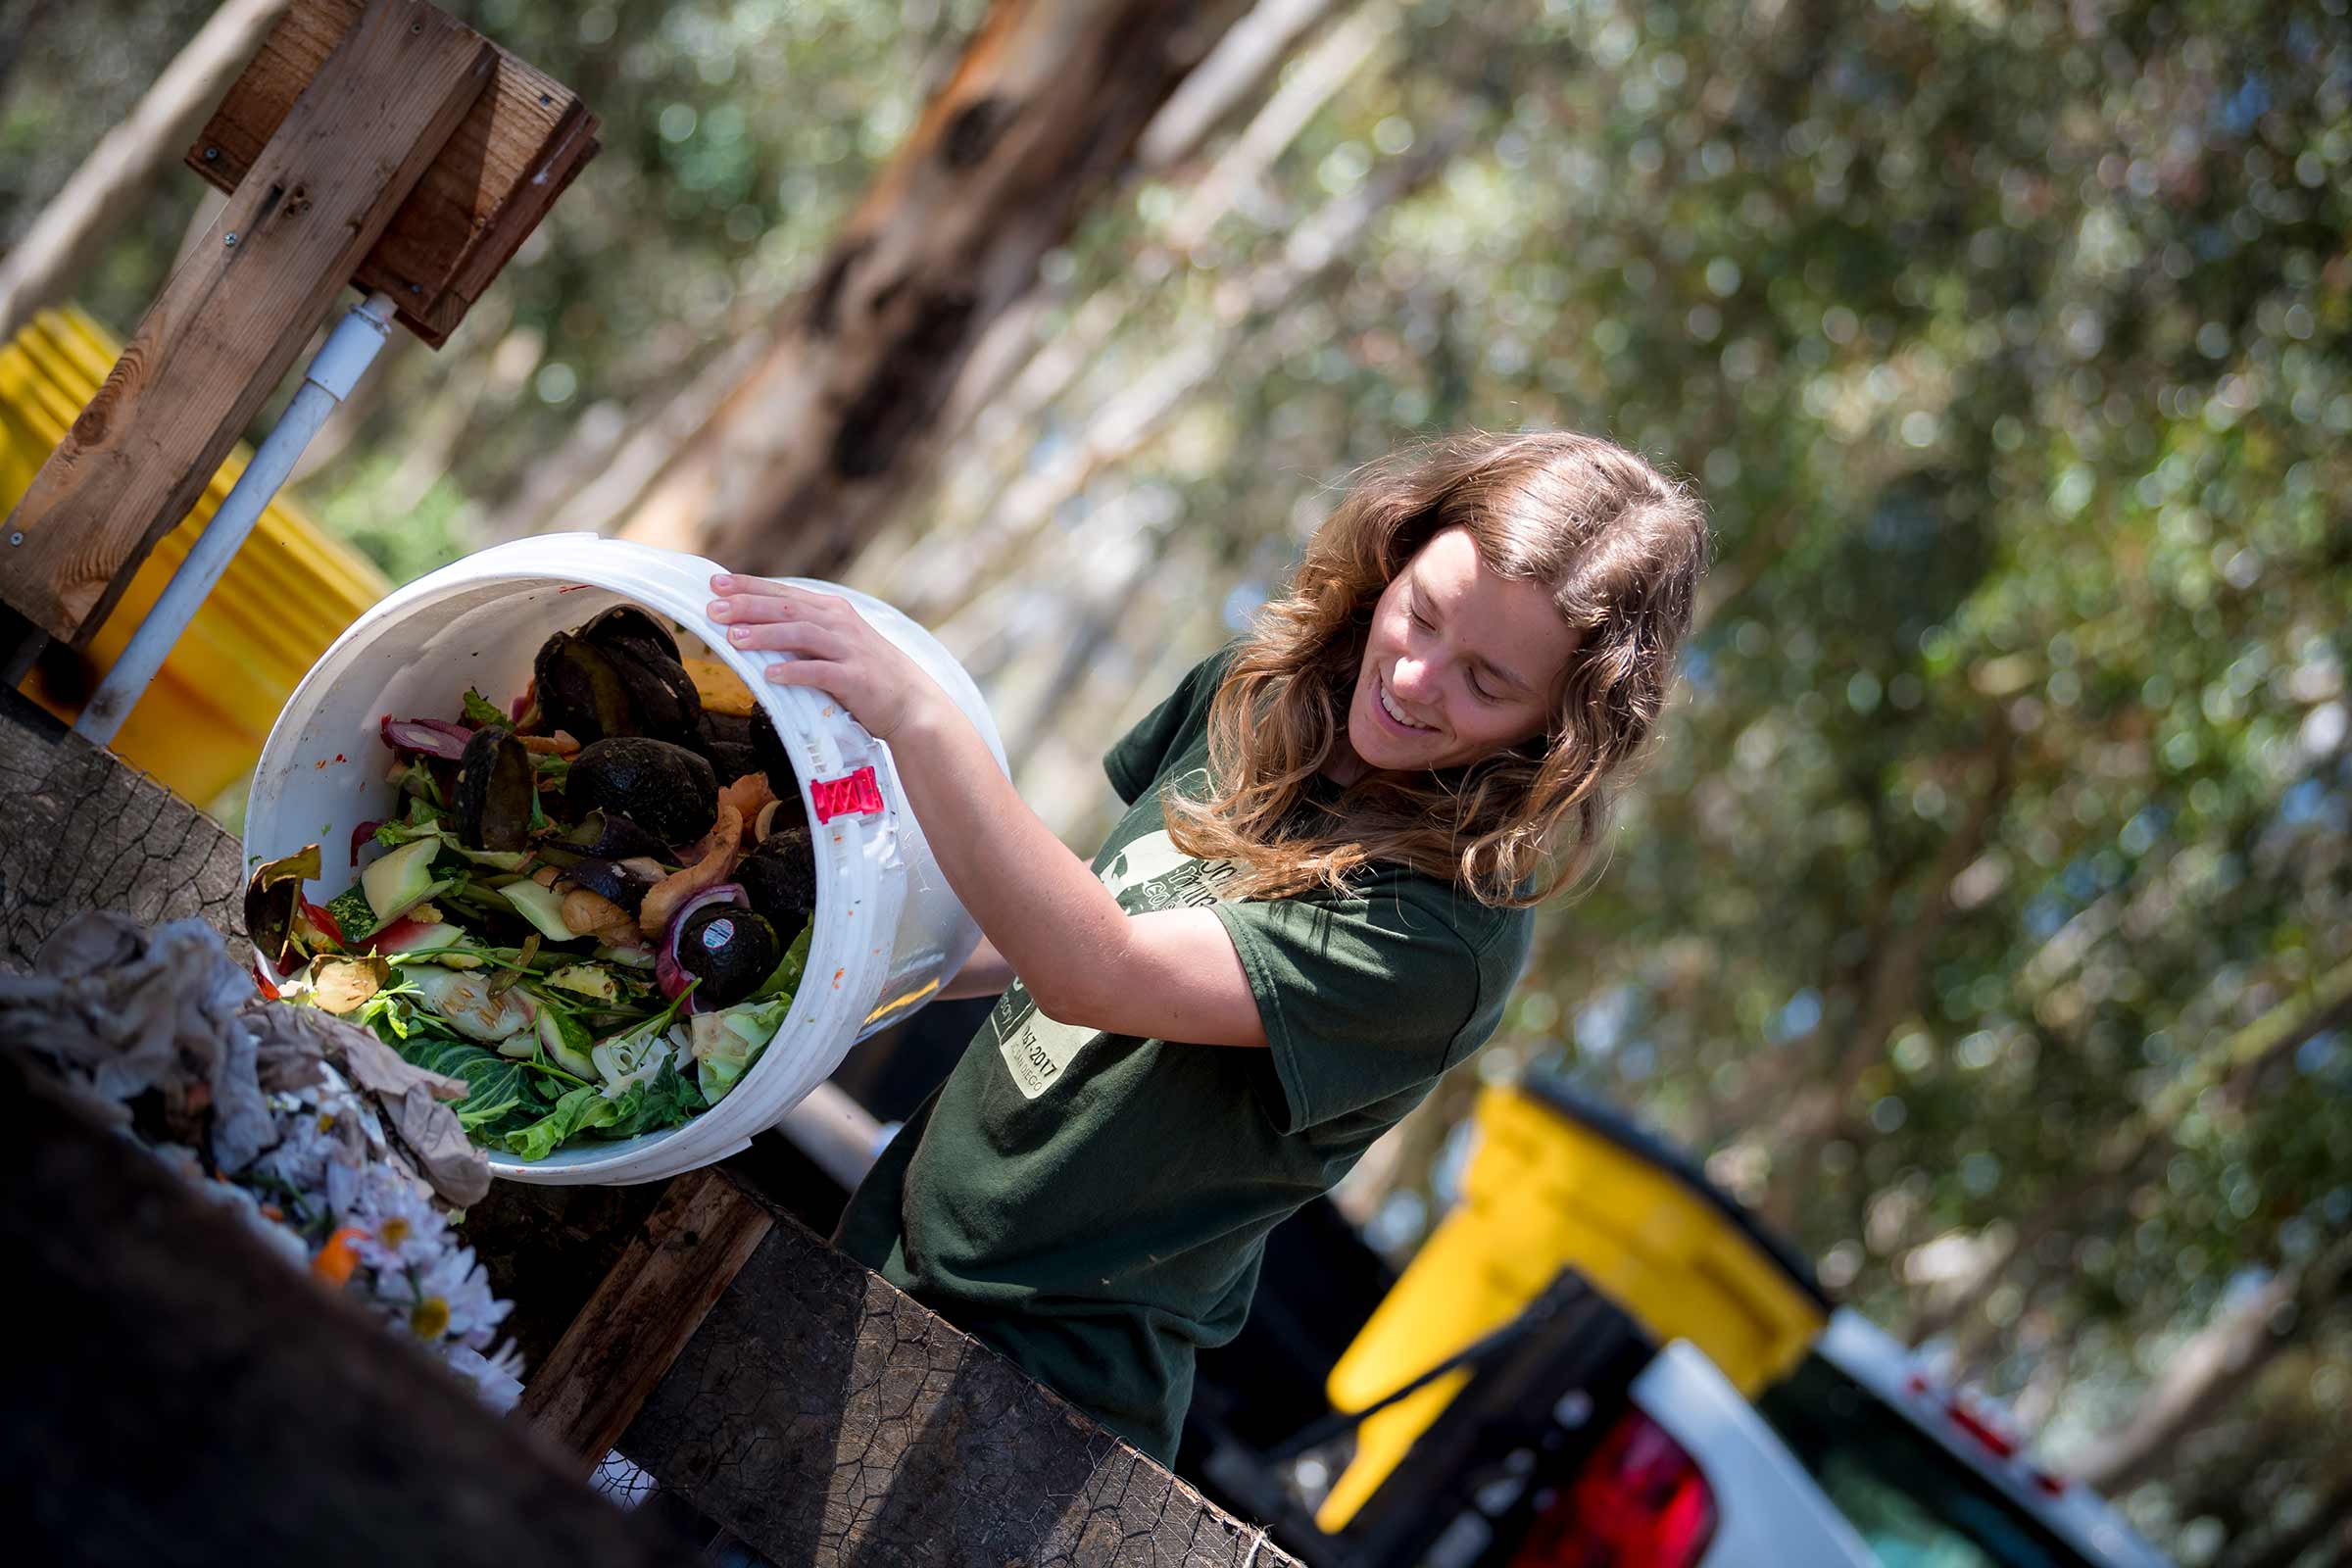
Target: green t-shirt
1095 1206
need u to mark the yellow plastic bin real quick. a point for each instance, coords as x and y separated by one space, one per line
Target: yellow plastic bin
289 593
1555 1183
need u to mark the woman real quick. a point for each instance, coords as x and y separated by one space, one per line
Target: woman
1315 905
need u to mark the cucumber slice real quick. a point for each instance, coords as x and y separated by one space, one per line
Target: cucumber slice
542 906
399 880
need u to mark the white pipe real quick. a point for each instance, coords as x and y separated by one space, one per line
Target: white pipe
333 372
835 1133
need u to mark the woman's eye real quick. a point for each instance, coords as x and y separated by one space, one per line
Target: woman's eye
1480 692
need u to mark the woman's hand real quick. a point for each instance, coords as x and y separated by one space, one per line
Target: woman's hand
833 648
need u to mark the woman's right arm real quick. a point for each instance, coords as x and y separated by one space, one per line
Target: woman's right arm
984 974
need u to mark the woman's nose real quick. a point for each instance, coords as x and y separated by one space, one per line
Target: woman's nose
1413 679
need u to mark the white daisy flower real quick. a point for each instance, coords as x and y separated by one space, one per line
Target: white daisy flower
497 1377
398 1225
452 1300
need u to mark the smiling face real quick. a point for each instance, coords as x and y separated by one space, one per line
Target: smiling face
1459 664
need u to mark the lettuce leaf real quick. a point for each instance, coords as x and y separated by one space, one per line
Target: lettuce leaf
668 1099
724 1044
480 710
574 1112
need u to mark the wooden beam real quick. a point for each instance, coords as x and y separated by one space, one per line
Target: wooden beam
824 1416
228 324
518 147
624 1340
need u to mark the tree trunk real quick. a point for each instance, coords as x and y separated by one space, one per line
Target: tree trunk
987 554
1231 72
1001 400
68 233
800 461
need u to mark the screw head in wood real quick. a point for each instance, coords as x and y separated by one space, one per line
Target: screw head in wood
17 538
229 238
212 155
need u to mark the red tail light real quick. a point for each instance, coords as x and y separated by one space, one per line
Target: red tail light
1639 1502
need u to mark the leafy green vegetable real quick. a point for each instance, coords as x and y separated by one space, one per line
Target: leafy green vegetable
495 1085
392 835
417 780
724 1044
669 1098
579 1108
480 710
638 1052
665 1099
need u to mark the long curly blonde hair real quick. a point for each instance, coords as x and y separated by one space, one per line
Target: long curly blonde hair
1619 546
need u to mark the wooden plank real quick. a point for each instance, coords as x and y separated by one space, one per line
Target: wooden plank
518 146
194 1399
624 1340
825 1417
228 324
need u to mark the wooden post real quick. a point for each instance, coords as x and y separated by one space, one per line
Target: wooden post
624 1340
229 323
512 154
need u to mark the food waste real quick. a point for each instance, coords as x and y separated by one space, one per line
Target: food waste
591 906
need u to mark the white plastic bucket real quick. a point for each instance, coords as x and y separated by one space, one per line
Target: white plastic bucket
887 931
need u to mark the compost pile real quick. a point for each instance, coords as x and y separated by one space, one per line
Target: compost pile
591 906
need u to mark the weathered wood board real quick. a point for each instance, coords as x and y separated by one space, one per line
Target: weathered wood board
826 1417
593 1383
518 147
229 322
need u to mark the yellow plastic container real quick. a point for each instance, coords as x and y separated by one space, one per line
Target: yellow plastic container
290 591
1552 1186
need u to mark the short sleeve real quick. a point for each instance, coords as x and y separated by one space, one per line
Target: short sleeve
1138 757
1361 997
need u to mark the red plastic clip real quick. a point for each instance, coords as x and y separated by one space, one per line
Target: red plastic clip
855 795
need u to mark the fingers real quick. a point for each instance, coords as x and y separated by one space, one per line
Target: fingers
801 637
817 673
